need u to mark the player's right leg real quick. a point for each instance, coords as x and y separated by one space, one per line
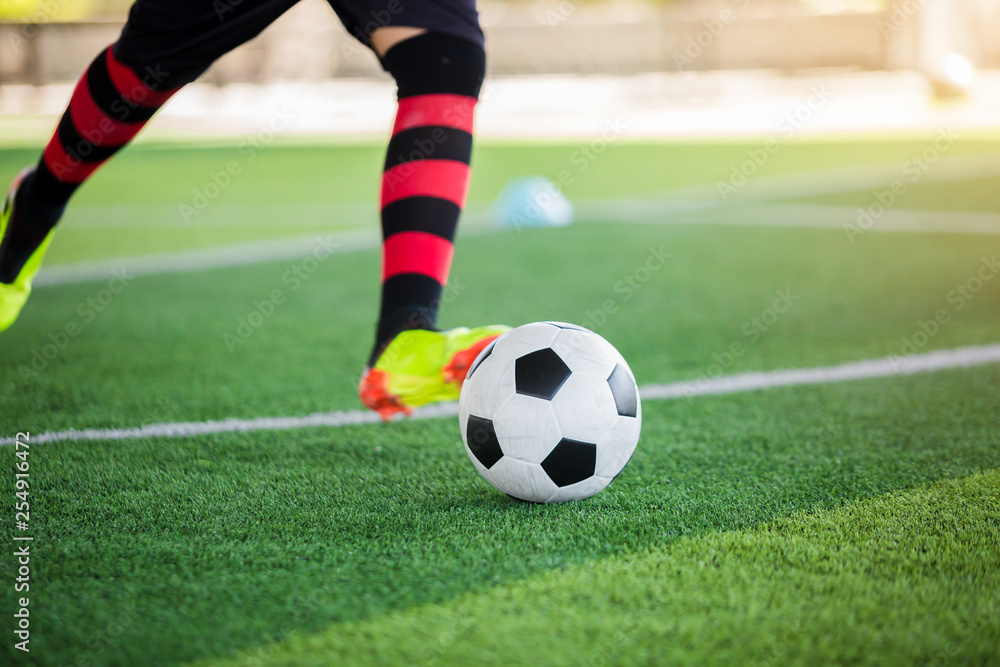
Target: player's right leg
165 44
434 51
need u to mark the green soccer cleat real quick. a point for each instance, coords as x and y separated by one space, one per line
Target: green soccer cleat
14 294
420 367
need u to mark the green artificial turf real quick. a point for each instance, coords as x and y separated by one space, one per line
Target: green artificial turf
165 340
974 195
906 578
159 552
220 542
156 198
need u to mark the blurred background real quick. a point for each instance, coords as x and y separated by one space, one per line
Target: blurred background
675 68
718 112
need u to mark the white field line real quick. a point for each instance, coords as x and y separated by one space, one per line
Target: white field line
857 370
787 215
927 362
799 185
759 191
240 254
836 180
270 215
620 210
849 218
689 199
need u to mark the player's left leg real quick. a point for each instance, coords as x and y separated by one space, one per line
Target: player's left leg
164 45
434 51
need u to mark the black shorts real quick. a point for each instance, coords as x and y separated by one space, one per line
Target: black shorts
179 39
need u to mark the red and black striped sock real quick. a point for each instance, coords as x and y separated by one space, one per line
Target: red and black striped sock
110 104
426 176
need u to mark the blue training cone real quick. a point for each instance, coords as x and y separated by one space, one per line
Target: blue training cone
534 201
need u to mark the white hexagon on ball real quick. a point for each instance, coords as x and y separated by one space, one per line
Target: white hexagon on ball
524 425
524 481
585 408
589 352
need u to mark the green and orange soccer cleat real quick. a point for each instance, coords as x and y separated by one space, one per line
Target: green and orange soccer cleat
14 294
420 367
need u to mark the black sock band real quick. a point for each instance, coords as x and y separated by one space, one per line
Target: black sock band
436 63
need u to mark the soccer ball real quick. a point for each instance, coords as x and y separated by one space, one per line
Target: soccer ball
550 412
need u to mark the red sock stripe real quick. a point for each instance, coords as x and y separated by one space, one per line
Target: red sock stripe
131 87
93 124
417 252
439 109
444 179
65 168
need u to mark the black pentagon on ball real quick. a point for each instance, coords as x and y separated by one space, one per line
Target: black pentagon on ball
487 351
570 461
540 374
482 440
624 391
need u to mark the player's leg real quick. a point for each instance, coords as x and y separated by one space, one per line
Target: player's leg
434 51
164 45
